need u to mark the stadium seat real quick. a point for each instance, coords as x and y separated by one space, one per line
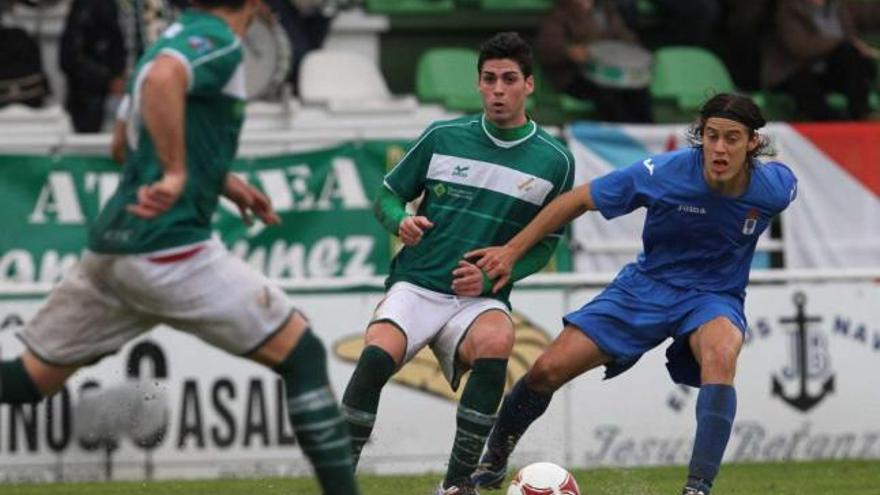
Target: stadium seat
683 78
346 82
553 108
449 76
409 7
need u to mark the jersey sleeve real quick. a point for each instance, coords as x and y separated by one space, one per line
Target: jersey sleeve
407 178
622 190
785 186
210 61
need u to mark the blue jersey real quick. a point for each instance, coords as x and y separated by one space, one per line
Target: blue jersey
694 238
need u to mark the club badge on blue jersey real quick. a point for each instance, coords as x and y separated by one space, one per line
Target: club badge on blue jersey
751 222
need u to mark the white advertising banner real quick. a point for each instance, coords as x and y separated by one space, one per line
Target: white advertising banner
806 390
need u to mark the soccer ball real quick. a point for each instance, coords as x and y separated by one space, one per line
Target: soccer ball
543 478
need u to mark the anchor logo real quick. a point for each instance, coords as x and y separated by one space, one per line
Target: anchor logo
810 360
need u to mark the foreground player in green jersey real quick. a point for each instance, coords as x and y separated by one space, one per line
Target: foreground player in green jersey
481 178
151 257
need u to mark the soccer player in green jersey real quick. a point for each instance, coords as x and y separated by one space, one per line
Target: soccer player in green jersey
152 258
480 177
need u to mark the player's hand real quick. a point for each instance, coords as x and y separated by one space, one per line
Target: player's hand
158 197
412 229
497 262
467 279
249 201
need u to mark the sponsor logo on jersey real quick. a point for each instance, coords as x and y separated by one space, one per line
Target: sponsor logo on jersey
649 165
696 210
460 171
526 185
200 44
751 222
439 190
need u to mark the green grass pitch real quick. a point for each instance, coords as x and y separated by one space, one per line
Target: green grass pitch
792 478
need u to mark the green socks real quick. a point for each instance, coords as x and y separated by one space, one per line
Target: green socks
319 426
16 386
361 399
476 415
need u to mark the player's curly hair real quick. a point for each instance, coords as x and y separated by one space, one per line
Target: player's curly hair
507 45
735 107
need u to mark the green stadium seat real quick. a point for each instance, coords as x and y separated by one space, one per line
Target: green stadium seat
517 5
409 7
449 76
775 105
554 108
683 78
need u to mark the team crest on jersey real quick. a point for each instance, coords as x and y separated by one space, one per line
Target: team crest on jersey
200 44
751 222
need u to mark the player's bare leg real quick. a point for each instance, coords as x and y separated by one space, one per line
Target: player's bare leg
297 355
485 351
716 345
384 349
570 355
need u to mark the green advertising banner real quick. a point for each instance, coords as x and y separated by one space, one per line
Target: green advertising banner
323 197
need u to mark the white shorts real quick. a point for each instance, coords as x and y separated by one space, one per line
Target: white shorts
107 300
432 318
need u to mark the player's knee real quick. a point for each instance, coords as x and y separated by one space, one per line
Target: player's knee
497 344
718 361
545 376
307 362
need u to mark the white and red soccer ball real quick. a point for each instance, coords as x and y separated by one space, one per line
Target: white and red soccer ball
543 478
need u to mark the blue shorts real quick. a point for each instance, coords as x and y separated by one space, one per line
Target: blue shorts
636 313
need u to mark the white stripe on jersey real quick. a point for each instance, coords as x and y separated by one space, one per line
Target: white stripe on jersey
490 176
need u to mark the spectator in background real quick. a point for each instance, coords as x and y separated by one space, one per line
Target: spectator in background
674 22
814 51
307 23
744 29
22 79
563 46
93 57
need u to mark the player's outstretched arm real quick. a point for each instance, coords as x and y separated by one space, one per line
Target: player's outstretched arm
163 96
498 261
390 210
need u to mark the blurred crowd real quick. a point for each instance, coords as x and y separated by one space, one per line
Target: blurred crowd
805 49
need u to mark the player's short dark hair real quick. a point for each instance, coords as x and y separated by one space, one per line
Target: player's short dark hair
507 45
233 4
736 107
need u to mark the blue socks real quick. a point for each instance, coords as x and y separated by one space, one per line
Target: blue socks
521 407
716 408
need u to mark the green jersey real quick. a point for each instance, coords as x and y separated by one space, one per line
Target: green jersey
479 190
214 115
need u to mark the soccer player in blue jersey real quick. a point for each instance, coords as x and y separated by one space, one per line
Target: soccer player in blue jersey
706 207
